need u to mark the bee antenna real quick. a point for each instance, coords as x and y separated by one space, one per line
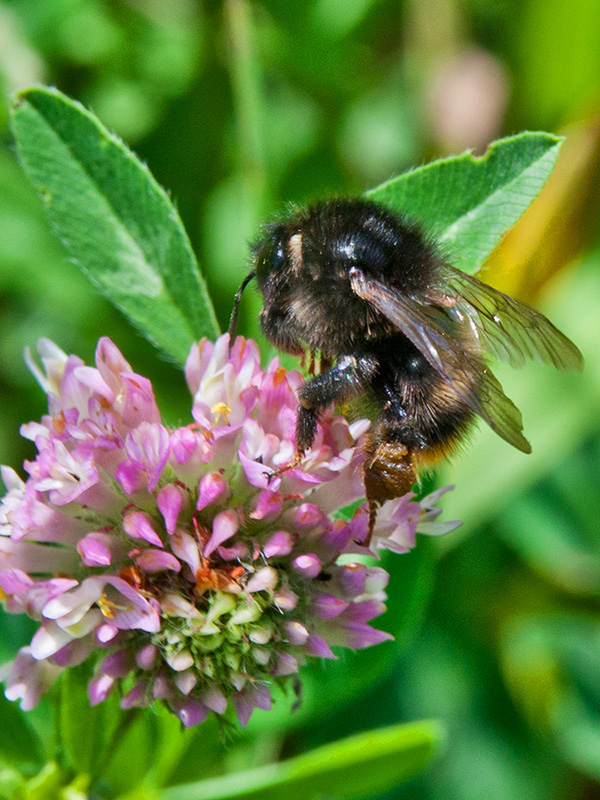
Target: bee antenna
236 305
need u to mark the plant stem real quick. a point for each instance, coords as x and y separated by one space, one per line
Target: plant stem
248 104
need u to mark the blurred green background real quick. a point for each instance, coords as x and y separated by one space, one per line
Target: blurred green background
239 107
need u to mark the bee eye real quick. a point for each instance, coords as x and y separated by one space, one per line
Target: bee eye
271 258
278 257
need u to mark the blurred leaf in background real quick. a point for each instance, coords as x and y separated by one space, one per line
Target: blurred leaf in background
240 107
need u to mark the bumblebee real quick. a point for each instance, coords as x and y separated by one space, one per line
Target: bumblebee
369 292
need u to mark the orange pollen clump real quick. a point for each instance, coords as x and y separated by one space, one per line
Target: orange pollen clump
59 423
132 576
279 376
220 579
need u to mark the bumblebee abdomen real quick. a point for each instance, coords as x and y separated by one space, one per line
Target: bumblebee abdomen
418 407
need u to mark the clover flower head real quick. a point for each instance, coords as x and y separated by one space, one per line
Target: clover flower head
188 561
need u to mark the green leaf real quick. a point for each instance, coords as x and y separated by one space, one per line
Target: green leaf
365 764
113 218
85 731
23 743
186 754
468 202
134 753
104 742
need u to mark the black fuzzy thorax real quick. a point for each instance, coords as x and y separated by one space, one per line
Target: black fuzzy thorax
303 267
339 234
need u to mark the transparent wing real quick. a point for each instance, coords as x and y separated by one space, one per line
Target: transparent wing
434 334
505 328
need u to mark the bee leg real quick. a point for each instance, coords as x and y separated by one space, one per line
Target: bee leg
349 378
389 472
373 506
306 428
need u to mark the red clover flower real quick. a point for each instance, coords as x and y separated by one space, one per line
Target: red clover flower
200 574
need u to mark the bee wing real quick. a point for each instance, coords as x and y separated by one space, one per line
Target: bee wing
504 328
433 333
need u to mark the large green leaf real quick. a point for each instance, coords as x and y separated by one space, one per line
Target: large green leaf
360 765
113 218
469 202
